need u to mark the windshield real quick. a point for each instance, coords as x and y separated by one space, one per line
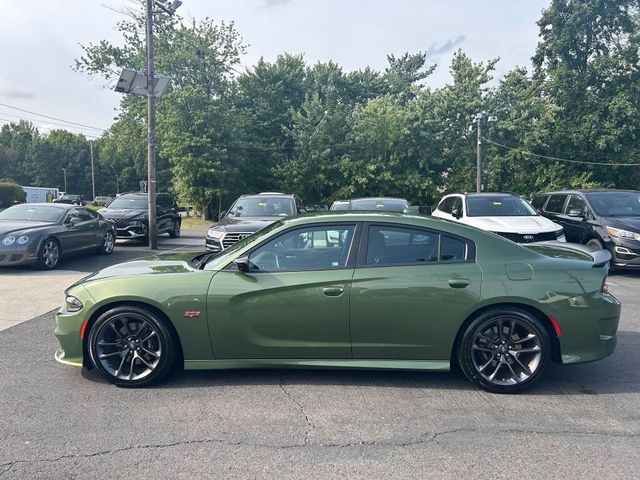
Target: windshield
499 206
220 257
134 202
262 207
340 206
34 213
384 204
615 204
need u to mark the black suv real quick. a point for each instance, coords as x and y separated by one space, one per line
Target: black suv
248 214
599 218
129 213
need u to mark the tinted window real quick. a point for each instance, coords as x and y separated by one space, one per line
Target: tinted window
457 205
576 203
615 204
555 203
446 205
452 249
81 214
382 204
165 201
395 245
538 201
134 202
266 206
312 248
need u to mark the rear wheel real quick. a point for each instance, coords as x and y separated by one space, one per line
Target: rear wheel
504 350
49 254
132 347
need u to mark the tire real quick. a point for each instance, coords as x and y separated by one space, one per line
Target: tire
49 254
175 231
595 243
108 243
132 347
504 350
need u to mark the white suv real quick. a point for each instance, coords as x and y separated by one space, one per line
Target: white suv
506 214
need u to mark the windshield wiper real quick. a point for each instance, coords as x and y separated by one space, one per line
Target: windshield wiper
201 260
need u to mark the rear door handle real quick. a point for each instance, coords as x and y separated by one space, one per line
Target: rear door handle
459 282
333 291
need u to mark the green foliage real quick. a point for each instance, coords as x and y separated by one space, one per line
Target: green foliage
10 193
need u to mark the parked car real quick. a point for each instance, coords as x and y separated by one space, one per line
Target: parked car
506 214
379 204
248 214
129 213
347 290
340 205
598 218
41 233
71 199
102 200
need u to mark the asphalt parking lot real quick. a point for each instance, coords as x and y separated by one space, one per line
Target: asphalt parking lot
60 422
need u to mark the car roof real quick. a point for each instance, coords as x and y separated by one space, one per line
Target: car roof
380 198
484 194
588 190
266 194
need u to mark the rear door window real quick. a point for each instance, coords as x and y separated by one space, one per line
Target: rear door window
446 205
556 203
576 203
538 201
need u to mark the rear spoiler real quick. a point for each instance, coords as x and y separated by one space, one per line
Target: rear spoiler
600 257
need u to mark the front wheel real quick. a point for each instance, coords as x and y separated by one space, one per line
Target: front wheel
131 346
49 254
504 350
595 244
175 232
108 244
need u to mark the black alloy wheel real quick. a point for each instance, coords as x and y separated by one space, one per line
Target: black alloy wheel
175 232
108 243
49 254
131 346
504 350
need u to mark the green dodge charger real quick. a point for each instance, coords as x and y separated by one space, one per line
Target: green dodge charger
347 290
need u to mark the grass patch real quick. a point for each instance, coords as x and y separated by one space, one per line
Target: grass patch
196 222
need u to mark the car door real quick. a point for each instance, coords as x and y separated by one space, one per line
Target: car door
161 213
411 291
294 300
575 227
80 230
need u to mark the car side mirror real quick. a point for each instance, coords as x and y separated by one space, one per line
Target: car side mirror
576 212
243 264
223 214
73 221
456 213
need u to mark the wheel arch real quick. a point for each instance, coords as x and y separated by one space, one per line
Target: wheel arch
537 313
120 303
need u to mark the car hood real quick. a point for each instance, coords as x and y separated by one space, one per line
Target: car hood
625 223
516 224
165 264
8 226
246 224
122 212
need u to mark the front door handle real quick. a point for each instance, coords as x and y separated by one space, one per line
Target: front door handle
333 291
459 283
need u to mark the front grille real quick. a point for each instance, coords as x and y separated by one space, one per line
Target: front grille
120 222
231 238
529 237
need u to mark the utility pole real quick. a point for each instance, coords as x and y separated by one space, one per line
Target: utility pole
93 173
64 172
479 186
151 130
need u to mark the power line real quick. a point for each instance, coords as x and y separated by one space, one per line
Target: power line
53 118
32 120
557 159
12 122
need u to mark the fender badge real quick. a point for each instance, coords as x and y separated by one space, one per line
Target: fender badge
192 314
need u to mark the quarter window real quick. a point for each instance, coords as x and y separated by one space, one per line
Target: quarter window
446 205
576 203
313 248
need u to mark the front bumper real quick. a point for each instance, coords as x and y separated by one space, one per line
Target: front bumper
14 255
131 231
625 253
213 244
69 327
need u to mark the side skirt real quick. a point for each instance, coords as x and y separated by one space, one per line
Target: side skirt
432 365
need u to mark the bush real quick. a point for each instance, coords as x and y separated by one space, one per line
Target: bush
11 193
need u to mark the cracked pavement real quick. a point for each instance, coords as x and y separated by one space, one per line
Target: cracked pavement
60 422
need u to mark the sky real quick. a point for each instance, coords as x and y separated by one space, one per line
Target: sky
41 38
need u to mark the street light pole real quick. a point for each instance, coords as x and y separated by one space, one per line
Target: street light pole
64 172
479 186
93 173
151 131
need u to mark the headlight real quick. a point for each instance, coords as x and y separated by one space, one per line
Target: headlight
560 236
617 233
217 234
8 240
73 304
135 223
22 239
